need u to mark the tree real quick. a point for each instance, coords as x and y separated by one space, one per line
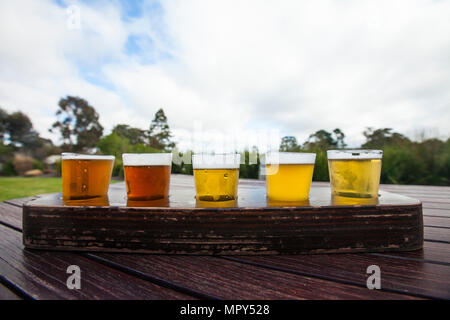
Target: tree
324 140
113 144
134 135
20 130
3 124
17 129
321 139
340 136
431 152
289 143
380 138
444 167
5 150
78 123
44 148
247 169
400 165
159 133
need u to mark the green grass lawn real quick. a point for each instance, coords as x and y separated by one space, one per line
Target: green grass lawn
11 188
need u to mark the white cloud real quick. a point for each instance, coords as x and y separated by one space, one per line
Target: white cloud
321 64
39 57
297 66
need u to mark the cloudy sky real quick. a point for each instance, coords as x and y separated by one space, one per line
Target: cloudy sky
233 66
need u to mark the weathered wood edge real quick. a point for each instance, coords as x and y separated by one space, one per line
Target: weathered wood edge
218 253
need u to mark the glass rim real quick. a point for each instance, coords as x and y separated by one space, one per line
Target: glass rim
275 158
216 161
147 159
354 154
78 156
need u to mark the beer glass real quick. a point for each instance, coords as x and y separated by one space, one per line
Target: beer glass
355 173
85 176
216 176
147 175
288 175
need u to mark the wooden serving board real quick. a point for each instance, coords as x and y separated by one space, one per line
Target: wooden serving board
250 226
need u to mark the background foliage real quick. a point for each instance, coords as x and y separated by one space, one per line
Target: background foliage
404 161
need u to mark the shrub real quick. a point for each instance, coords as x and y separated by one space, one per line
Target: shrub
38 165
400 166
142 148
8 169
118 169
321 167
6 152
58 168
113 144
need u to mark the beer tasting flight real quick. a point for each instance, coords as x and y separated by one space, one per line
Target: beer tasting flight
353 174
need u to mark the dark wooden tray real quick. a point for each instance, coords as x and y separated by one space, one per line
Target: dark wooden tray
324 224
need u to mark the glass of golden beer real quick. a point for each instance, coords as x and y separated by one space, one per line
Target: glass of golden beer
216 176
147 175
355 173
85 176
288 175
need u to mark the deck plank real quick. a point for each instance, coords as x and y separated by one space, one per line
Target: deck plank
409 277
436 205
11 216
443 213
437 234
42 275
438 222
433 252
19 201
6 294
234 280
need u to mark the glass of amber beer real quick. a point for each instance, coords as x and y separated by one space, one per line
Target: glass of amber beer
355 173
85 176
147 175
288 175
216 176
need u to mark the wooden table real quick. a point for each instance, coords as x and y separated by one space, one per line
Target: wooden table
418 274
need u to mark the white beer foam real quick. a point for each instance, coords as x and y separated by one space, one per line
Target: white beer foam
147 159
354 154
288 158
216 161
77 156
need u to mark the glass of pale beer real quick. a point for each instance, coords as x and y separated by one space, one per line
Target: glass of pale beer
355 173
288 175
85 176
147 175
216 176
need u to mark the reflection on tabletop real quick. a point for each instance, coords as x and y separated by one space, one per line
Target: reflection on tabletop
163 202
93 202
275 203
216 204
348 201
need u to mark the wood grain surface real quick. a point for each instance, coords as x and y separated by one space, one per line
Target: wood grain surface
40 274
